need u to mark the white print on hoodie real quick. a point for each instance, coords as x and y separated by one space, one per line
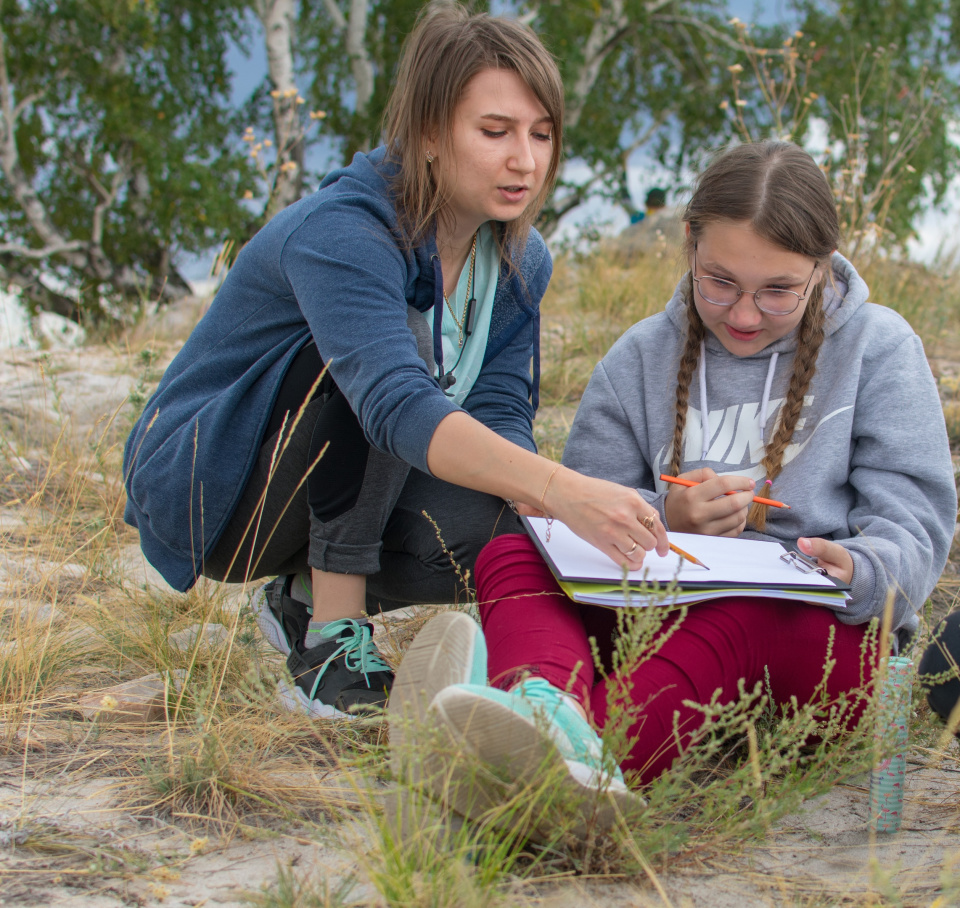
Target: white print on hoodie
737 441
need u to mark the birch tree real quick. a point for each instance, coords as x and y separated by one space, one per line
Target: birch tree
115 147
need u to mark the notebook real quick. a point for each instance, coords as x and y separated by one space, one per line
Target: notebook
735 567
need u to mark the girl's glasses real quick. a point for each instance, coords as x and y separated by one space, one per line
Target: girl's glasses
771 300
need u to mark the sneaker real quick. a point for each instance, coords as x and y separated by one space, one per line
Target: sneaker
281 618
450 649
520 736
340 677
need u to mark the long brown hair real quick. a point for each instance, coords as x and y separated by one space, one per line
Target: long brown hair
781 192
446 49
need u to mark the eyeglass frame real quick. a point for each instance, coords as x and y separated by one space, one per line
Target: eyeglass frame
753 293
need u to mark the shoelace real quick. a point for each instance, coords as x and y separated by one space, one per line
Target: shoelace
356 647
542 693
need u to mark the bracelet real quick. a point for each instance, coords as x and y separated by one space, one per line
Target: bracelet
547 486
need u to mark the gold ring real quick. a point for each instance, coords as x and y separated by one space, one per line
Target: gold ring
632 550
649 522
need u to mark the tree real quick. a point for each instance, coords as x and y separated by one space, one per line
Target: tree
880 90
638 74
116 146
351 49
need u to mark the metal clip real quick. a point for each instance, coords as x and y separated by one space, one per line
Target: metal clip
803 563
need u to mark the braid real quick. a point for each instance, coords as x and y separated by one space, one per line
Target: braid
804 366
691 354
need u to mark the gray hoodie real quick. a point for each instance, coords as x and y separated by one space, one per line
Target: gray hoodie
869 466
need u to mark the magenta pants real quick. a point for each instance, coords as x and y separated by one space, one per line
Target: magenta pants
531 627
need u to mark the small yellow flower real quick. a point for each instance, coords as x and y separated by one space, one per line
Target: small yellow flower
741 103
736 68
300 100
724 104
318 114
275 93
109 703
197 846
248 194
268 143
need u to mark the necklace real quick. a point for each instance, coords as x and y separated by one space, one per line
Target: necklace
461 322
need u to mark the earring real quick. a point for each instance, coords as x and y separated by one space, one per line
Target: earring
429 157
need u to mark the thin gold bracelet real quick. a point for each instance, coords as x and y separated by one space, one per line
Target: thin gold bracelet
543 495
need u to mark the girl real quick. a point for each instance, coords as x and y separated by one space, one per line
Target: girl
769 368
368 358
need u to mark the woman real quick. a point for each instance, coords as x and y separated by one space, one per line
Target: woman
368 359
768 368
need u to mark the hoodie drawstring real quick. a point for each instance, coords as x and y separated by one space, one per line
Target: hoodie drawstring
705 407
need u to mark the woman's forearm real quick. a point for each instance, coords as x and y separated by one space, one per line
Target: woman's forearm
467 453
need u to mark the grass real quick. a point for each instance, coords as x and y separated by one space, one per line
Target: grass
220 766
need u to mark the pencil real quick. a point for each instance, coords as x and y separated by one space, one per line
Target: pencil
687 555
690 484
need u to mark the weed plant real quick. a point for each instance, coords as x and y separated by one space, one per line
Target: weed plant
222 762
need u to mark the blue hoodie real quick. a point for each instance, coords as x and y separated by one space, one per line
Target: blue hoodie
328 267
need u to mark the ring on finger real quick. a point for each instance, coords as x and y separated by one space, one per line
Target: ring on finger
649 522
633 548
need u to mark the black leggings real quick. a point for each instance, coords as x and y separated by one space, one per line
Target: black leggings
360 511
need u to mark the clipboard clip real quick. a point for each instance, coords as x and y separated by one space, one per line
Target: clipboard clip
803 563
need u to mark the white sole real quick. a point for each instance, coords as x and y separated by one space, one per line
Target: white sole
268 624
448 650
295 700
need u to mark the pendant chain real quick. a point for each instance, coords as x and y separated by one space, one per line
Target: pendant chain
461 322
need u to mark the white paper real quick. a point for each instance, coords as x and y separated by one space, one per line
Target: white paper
737 561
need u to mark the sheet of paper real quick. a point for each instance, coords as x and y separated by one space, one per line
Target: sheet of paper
734 561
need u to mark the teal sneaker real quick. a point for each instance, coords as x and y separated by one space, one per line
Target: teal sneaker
343 676
282 620
521 737
449 649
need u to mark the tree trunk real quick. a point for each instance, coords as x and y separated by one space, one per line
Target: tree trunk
277 18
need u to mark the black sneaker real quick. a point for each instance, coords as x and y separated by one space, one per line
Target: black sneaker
281 618
340 677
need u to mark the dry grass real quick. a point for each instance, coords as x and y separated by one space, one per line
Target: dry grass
220 770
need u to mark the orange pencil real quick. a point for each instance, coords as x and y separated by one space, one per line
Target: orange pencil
687 555
689 483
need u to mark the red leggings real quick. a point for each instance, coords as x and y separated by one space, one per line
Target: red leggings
532 627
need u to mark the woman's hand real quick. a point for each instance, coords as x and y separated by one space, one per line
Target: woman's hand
707 508
833 558
609 516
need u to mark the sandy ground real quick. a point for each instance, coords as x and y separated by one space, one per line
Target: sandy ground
64 839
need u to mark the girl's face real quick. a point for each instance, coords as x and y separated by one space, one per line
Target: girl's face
501 144
733 251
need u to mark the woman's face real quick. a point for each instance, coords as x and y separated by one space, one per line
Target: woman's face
733 251
501 144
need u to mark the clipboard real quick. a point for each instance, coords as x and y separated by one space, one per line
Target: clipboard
734 563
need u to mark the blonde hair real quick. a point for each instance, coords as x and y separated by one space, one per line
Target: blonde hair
781 192
446 49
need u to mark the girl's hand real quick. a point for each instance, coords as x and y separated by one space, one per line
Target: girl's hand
833 558
707 508
607 515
